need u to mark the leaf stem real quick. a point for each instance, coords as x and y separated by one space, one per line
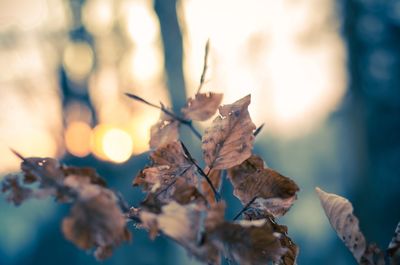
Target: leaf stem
162 107
244 208
200 170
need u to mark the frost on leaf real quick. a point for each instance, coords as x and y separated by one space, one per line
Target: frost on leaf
216 179
168 164
229 139
95 220
202 107
248 242
164 131
274 193
340 214
184 224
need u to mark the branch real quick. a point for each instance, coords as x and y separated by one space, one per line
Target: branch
203 74
200 170
258 130
244 208
162 107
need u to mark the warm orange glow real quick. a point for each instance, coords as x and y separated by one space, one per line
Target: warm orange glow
140 129
117 145
111 143
77 138
295 72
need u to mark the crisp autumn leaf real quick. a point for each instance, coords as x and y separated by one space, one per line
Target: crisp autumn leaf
95 220
184 224
168 164
229 139
270 192
248 242
202 107
340 214
164 131
216 179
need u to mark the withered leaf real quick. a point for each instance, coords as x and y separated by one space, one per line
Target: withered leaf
202 107
340 214
184 224
95 220
168 164
373 256
216 179
248 242
274 193
15 192
229 140
394 245
164 131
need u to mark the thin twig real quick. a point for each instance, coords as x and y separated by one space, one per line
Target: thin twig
244 208
200 170
162 107
203 74
258 130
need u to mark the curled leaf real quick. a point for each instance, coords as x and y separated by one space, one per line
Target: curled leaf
202 107
340 214
274 193
164 131
229 140
95 220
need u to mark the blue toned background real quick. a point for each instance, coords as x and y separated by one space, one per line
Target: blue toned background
324 77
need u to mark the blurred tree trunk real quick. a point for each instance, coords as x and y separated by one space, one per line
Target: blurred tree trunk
372 33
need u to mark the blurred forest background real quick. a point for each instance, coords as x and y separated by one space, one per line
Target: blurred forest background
324 76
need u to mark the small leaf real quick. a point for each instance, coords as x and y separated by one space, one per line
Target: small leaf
15 192
202 107
229 140
340 214
164 131
168 164
274 193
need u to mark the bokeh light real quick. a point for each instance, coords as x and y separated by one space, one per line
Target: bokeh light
78 139
78 60
117 145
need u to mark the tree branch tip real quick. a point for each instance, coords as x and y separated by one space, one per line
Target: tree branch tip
17 154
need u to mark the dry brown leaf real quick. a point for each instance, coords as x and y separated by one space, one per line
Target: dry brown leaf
184 224
373 256
340 214
216 179
95 220
15 192
168 164
164 131
394 245
274 193
229 140
202 107
248 242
